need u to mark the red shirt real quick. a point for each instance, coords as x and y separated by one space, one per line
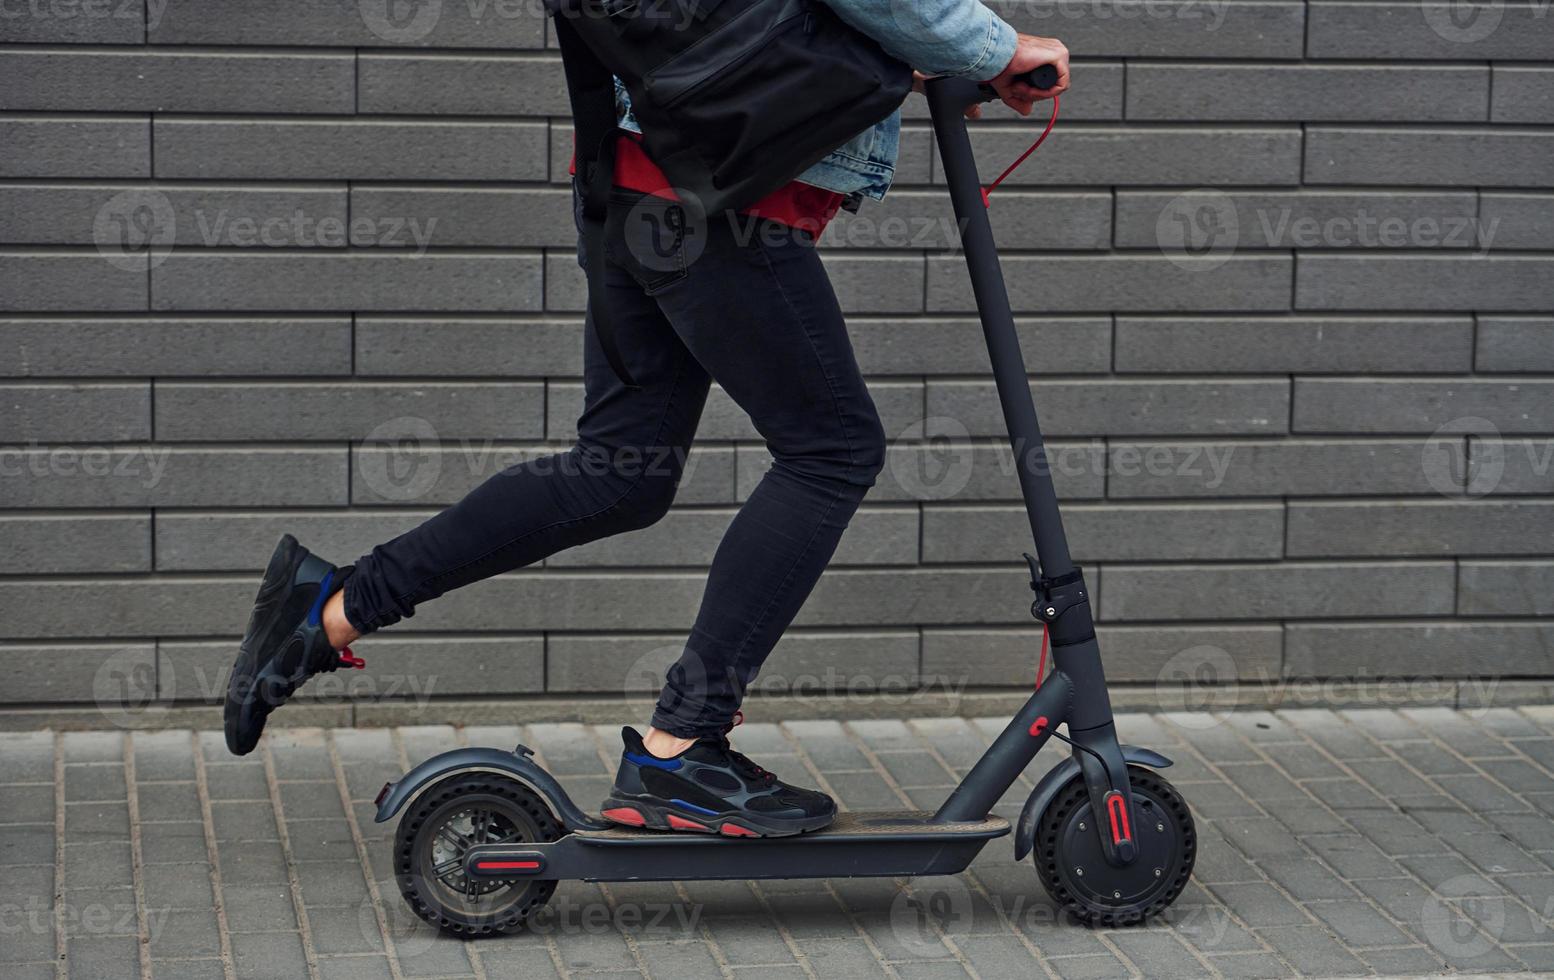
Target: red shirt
796 205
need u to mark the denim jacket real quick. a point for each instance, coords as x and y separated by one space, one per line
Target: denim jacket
937 37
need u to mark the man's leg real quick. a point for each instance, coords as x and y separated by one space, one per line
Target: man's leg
757 310
620 475
760 316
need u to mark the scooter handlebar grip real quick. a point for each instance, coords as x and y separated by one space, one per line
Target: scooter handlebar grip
1042 77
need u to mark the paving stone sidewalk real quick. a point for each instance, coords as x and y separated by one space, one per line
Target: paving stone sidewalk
1343 843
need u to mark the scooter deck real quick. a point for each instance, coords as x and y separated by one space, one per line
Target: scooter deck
855 845
848 828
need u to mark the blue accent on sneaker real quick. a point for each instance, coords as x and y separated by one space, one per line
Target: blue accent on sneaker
318 604
692 806
655 762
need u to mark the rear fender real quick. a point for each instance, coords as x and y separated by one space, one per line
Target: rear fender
516 764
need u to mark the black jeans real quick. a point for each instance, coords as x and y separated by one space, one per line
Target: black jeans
750 306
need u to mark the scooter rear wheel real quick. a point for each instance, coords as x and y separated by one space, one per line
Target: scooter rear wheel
441 825
1074 870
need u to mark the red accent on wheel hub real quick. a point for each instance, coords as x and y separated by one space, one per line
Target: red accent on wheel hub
1117 813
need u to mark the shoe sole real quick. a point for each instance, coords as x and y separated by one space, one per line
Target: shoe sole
652 815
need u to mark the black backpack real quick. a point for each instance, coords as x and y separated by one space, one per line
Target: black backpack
735 99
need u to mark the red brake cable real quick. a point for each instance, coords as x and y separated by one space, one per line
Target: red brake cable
1041 668
1031 149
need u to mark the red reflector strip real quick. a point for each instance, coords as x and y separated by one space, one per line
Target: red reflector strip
378 801
507 865
1118 815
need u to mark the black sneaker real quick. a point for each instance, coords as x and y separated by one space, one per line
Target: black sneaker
285 643
711 789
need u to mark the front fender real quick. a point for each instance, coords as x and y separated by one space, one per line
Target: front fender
1056 778
476 759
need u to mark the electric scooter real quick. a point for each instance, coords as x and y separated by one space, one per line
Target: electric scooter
488 833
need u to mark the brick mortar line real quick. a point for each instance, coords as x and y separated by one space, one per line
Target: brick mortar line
294 884
906 883
783 932
137 858
1189 747
718 955
202 788
61 965
1516 752
374 895
1404 927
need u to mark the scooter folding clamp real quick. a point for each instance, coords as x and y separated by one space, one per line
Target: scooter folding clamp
1057 595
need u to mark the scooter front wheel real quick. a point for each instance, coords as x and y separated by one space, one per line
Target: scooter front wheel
1074 870
437 830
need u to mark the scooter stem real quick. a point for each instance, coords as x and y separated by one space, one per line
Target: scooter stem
1075 694
947 101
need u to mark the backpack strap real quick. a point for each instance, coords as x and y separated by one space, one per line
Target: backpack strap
591 90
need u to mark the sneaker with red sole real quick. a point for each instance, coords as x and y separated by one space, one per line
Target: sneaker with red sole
710 789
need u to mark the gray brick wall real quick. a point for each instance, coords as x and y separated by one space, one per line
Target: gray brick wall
1285 277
